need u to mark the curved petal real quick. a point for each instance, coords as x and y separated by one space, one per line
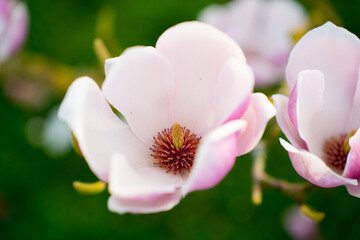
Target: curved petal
354 115
259 112
129 182
313 169
98 130
282 117
352 167
235 85
292 108
197 52
336 53
140 85
141 190
164 202
215 157
310 116
354 190
109 63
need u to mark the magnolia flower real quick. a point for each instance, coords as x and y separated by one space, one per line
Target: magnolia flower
321 118
298 226
189 109
263 29
13 27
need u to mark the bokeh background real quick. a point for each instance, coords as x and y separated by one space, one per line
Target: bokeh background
37 199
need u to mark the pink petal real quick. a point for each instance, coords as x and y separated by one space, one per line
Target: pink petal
259 112
215 157
313 169
140 85
354 190
292 108
15 30
336 53
282 117
19 22
313 124
4 9
141 190
197 52
235 85
98 130
352 167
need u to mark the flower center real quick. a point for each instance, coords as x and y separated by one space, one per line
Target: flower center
336 150
174 149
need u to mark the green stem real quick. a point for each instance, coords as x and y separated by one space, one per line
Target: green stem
297 191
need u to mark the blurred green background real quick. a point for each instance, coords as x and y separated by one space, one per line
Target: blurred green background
37 200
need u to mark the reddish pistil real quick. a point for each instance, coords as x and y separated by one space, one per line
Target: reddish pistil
178 158
335 153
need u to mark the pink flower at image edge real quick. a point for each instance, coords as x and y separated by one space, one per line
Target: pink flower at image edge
321 117
14 21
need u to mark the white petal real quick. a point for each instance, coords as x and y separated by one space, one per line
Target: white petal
141 190
197 52
98 130
336 53
140 85
313 123
127 182
235 85
164 202
354 115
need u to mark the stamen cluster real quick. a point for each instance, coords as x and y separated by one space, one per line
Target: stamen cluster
171 156
335 153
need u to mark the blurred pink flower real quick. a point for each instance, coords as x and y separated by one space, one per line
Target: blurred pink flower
321 119
189 109
263 29
299 226
14 20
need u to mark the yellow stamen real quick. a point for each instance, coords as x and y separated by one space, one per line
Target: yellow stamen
312 214
346 146
177 134
89 188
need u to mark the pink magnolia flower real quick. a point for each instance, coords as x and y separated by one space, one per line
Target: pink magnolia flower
13 27
189 109
298 226
321 118
263 29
